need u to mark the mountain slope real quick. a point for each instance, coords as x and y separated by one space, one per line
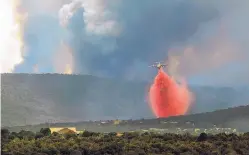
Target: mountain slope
234 118
36 98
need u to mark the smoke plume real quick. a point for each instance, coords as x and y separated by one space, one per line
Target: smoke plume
36 69
123 37
11 38
151 31
98 18
45 7
63 60
218 49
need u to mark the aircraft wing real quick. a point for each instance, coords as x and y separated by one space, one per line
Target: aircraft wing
152 66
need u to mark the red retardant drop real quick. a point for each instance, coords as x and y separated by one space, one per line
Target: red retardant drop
168 98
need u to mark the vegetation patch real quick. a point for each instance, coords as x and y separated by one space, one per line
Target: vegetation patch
43 142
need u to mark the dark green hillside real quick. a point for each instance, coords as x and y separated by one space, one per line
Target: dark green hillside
37 98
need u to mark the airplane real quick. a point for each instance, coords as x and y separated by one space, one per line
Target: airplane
158 65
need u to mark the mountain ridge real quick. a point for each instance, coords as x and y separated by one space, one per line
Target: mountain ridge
37 98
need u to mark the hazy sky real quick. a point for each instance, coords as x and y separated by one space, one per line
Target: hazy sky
209 40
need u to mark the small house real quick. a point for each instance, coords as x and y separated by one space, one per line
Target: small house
64 130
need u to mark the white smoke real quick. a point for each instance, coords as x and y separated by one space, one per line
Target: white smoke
11 41
67 11
43 7
98 16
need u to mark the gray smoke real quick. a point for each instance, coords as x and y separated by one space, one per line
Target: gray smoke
123 38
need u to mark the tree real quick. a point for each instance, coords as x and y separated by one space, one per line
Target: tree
5 133
203 136
45 131
13 135
4 137
55 133
39 135
25 134
89 134
75 152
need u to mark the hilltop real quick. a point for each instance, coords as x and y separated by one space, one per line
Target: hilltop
37 98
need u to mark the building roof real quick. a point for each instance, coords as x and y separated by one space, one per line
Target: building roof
60 128
66 131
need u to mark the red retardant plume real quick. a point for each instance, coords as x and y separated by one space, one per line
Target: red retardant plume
168 98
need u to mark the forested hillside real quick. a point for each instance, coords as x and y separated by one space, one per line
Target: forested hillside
37 98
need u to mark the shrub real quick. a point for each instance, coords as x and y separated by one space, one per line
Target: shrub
203 136
5 133
89 134
45 131
129 143
39 135
25 134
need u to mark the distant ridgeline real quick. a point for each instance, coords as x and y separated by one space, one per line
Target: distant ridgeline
39 98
